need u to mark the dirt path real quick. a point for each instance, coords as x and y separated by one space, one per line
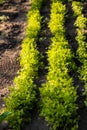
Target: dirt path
12 32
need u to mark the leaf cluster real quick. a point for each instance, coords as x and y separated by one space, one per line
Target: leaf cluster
57 17
77 7
33 23
36 4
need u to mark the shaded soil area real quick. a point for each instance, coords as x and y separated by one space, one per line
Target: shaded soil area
71 34
12 32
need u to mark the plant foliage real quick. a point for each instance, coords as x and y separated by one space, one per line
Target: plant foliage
58 93
81 25
22 98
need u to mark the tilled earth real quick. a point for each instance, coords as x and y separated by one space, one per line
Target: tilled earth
12 32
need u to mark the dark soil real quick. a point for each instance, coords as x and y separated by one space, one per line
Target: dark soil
71 34
12 32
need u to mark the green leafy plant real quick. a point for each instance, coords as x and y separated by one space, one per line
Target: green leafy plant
22 98
36 4
58 94
56 18
81 22
77 7
33 28
81 25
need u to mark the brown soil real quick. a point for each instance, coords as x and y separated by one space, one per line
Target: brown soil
12 32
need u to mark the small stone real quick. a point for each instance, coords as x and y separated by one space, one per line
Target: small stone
3 105
83 90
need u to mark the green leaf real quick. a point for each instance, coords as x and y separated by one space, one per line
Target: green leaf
4 115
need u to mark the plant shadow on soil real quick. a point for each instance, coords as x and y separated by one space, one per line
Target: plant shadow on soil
71 34
12 44
43 43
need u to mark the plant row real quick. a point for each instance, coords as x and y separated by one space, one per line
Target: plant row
58 95
22 98
81 25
